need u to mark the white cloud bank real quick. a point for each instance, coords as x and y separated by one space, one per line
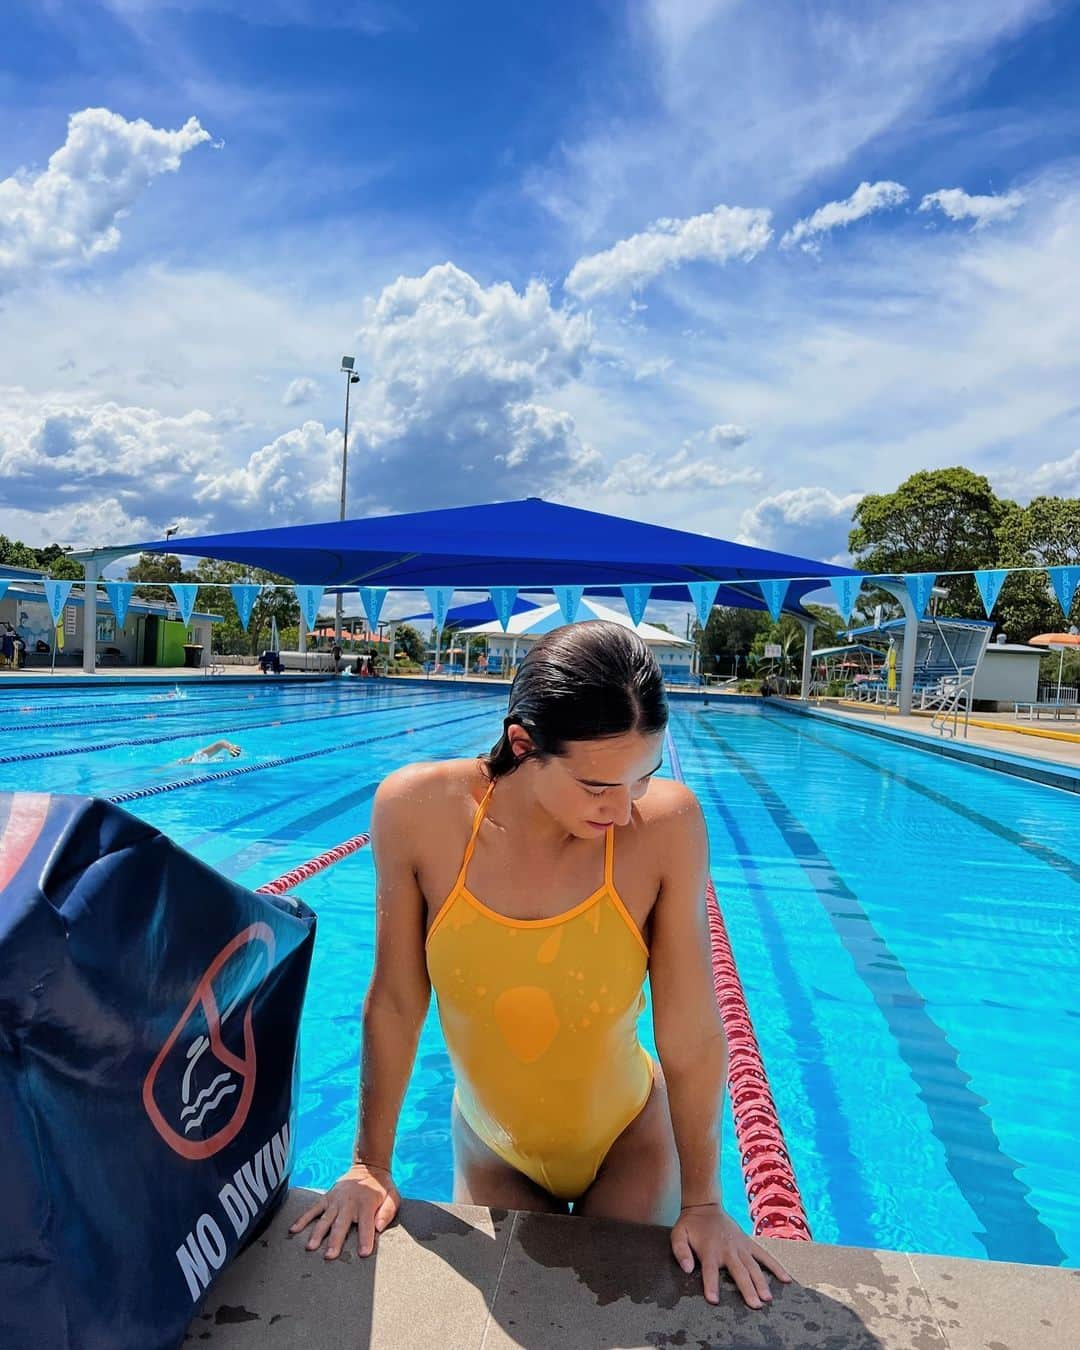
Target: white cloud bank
68 213
810 521
719 235
960 205
644 475
864 201
300 390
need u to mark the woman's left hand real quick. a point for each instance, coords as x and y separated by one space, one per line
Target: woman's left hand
718 1242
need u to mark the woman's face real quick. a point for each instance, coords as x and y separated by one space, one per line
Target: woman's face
593 784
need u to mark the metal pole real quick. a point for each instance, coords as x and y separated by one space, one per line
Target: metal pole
344 477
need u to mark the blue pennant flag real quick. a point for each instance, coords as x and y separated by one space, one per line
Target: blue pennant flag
5 582
185 592
372 597
119 593
919 585
569 598
703 594
990 582
1064 581
845 592
774 593
636 597
56 593
439 598
503 597
244 595
310 598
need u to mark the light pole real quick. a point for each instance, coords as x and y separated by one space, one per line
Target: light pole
347 369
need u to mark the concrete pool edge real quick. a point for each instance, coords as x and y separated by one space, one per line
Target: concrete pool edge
464 1276
1050 773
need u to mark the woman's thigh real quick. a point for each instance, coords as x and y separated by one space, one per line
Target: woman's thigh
481 1177
639 1180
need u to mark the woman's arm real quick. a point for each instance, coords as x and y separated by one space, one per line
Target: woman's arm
686 1020
399 992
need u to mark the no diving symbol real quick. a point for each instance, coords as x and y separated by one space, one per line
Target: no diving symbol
238 1076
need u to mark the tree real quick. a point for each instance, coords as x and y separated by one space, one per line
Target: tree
1045 533
156 570
14 553
409 641
938 520
728 635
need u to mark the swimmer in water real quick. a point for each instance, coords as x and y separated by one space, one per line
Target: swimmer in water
209 752
481 865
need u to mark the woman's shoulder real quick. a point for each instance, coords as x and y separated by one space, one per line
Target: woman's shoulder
429 785
669 807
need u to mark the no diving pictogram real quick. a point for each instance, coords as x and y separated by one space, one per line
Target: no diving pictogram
243 1066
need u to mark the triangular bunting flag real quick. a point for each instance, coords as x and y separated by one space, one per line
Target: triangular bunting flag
1064 581
310 598
244 595
919 585
439 598
56 593
185 592
990 582
503 597
845 592
636 597
703 594
372 597
774 592
569 598
119 593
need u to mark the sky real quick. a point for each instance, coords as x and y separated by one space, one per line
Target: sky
714 264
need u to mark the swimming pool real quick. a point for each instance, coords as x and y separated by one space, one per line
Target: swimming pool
905 926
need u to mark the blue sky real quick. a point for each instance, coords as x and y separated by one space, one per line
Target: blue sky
717 264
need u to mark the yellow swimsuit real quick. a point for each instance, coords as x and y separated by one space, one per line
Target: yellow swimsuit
540 1018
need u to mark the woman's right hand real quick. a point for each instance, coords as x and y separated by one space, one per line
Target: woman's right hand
365 1196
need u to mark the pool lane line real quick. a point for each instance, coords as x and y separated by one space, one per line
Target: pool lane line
288 880
772 1191
156 789
133 716
1013 1228
830 1123
190 735
1037 850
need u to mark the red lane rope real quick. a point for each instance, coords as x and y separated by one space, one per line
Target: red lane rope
288 880
772 1193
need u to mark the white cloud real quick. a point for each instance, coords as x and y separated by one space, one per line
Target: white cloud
292 480
727 435
641 475
810 521
68 213
719 235
1054 478
960 205
455 409
300 390
864 201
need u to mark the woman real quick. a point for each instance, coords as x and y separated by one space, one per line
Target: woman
481 868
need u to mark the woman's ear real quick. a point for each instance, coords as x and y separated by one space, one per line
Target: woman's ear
520 741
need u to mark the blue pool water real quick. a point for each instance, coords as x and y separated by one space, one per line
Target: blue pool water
905 926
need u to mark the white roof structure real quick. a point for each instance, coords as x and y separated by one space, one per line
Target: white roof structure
535 623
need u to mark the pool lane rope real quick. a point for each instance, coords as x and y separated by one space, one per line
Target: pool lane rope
772 1192
190 735
156 789
314 866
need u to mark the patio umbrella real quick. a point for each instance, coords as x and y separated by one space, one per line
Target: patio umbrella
274 642
1058 642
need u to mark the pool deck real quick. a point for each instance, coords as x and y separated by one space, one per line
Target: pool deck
467 1278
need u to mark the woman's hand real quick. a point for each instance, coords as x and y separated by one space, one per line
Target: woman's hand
365 1196
717 1240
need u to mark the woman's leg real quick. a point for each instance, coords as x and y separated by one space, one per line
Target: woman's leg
481 1177
639 1178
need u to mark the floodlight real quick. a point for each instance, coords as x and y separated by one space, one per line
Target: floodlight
348 363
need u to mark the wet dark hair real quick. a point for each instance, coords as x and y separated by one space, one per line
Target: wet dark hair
581 682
